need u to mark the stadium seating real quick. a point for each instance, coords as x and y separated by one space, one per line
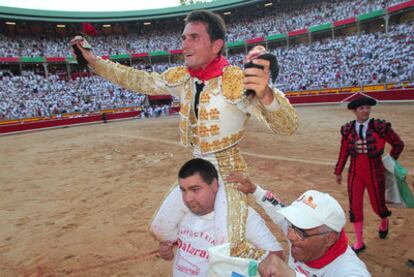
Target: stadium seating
354 60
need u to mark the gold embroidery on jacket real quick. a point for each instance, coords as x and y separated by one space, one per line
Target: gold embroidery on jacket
231 160
232 83
205 98
214 114
176 75
202 114
283 121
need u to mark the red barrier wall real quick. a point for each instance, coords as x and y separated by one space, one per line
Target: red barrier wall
48 123
390 95
63 122
113 116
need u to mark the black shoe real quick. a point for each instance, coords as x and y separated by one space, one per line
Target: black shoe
358 250
410 263
382 234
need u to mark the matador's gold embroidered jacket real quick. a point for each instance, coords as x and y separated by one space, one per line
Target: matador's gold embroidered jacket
223 109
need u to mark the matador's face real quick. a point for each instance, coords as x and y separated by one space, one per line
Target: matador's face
198 49
362 113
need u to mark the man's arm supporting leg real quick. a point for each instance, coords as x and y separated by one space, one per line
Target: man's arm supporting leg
164 225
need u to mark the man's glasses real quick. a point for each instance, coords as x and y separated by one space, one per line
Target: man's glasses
302 234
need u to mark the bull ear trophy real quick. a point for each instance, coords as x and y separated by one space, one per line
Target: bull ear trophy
87 30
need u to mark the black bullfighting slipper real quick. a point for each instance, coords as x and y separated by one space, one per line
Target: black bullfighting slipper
410 263
382 234
358 250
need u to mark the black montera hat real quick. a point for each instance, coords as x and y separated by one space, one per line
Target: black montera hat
361 101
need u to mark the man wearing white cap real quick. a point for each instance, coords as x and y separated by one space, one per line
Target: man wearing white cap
314 227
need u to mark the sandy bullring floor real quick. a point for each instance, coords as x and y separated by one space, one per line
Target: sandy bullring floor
77 201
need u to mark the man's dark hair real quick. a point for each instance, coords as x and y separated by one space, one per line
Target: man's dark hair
204 168
216 28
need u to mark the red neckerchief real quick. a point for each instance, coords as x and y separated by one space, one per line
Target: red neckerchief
212 70
334 252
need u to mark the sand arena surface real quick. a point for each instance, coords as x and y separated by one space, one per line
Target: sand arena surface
77 201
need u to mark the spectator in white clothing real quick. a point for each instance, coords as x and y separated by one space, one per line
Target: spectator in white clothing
314 227
199 184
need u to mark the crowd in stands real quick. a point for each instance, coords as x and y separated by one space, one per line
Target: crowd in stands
155 111
246 24
33 95
346 61
289 18
349 61
368 58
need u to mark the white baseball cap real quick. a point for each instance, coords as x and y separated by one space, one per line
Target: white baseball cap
313 209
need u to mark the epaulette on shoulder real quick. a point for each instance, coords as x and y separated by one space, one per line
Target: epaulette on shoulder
380 126
232 83
176 76
347 128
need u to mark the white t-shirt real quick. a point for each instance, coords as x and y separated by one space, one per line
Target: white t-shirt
197 233
346 265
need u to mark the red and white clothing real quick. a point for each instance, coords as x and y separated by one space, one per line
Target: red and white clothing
366 169
338 261
346 265
198 233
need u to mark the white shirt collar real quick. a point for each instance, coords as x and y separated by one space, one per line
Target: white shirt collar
364 129
208 216
365 123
